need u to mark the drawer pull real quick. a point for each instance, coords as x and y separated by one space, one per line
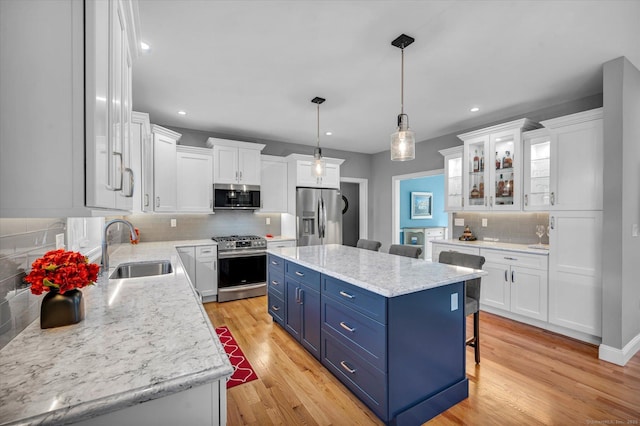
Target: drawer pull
273 262
300 274
275 308
510 258
346 327
347 368
347 295
274 282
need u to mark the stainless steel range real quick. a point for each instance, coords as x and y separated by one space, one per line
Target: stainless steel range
242 267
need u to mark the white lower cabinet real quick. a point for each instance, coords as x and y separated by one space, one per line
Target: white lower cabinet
575 271
281 243
200 405
201 265
516 283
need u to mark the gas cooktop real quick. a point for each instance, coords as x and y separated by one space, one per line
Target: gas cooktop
236 242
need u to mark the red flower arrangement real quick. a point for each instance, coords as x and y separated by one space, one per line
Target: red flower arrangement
61 270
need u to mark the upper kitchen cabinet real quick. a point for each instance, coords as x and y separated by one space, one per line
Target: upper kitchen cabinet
453 179
142 158
273 185
44 137
300 167
537 169
492 166
194 180
164 169
576 165
235 161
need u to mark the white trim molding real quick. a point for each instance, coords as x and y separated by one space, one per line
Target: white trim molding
620 356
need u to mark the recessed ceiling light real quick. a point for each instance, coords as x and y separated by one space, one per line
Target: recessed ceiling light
144 46
328 133
474 109
182 112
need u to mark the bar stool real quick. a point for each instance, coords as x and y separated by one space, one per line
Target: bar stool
404 250
368 244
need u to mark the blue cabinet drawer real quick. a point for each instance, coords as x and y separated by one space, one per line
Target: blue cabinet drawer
368 383
303 275
276 263
363 335
368 303
275 281
276 307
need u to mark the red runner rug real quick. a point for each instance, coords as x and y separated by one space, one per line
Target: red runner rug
242 370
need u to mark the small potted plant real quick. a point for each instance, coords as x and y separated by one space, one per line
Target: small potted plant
61 273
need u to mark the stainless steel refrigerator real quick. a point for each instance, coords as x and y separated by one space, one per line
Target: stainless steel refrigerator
318 216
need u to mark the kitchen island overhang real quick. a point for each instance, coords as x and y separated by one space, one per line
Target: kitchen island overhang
392 329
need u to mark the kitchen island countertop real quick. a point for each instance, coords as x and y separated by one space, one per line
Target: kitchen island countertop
382 273
141 339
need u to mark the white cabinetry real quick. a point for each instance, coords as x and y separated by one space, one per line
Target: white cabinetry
300 172
537 170
235 162
424 238
207 272
280 243
142 159
453 198
492 166
44 106
517 282
188 257
194 179
575 270
576 161
164 169
273 184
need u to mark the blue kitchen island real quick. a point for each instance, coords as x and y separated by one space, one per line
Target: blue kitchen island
390 328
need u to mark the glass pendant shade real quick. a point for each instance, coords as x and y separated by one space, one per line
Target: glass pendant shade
318 168
403 141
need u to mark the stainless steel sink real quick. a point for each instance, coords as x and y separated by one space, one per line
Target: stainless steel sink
142 269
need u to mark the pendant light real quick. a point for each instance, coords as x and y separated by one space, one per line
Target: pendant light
318 169
403 141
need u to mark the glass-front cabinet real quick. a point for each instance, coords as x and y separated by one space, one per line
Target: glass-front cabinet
492 164
537 170
453 178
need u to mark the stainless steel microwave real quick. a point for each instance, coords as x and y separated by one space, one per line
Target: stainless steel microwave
236 196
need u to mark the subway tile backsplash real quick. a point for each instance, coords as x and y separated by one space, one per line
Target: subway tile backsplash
21 242
517 228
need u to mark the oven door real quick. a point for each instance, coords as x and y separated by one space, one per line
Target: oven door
241 274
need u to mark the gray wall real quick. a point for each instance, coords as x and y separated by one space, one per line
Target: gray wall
428 158
621 251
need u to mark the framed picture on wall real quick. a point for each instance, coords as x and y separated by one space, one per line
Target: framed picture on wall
421 205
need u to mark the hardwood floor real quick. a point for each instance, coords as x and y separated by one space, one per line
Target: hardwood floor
526 376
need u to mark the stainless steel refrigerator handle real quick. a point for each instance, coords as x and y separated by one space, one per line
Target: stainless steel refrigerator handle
318 214
324 219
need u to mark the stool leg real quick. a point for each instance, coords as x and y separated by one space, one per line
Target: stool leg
476 335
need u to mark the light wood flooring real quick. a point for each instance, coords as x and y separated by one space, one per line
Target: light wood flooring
526 376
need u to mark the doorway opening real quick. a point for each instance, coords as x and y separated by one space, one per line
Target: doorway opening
354 209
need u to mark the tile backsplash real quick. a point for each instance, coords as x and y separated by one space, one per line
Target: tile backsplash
517 228
21 242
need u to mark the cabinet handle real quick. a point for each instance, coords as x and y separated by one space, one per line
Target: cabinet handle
347 368
275 308
491 201
301 293
146 200
485 200
553 198
210 203
506 278
511 258
526 199
552 223
157 201
273 262
300 274
346 327
513 276
131 182
462 203
236 175
297 294
215 265
347 295
240 174
274 282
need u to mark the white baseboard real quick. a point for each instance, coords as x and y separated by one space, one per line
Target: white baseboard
620 356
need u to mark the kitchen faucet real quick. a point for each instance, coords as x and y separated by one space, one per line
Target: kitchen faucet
105 251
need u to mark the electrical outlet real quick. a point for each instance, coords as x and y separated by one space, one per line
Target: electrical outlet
458 221
268 221
454 302
484 222
59 241
634 230
173 223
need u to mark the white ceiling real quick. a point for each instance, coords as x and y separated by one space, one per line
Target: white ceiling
250 68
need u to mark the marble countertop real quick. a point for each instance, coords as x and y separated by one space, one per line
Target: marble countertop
141 339
499 245
382 273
